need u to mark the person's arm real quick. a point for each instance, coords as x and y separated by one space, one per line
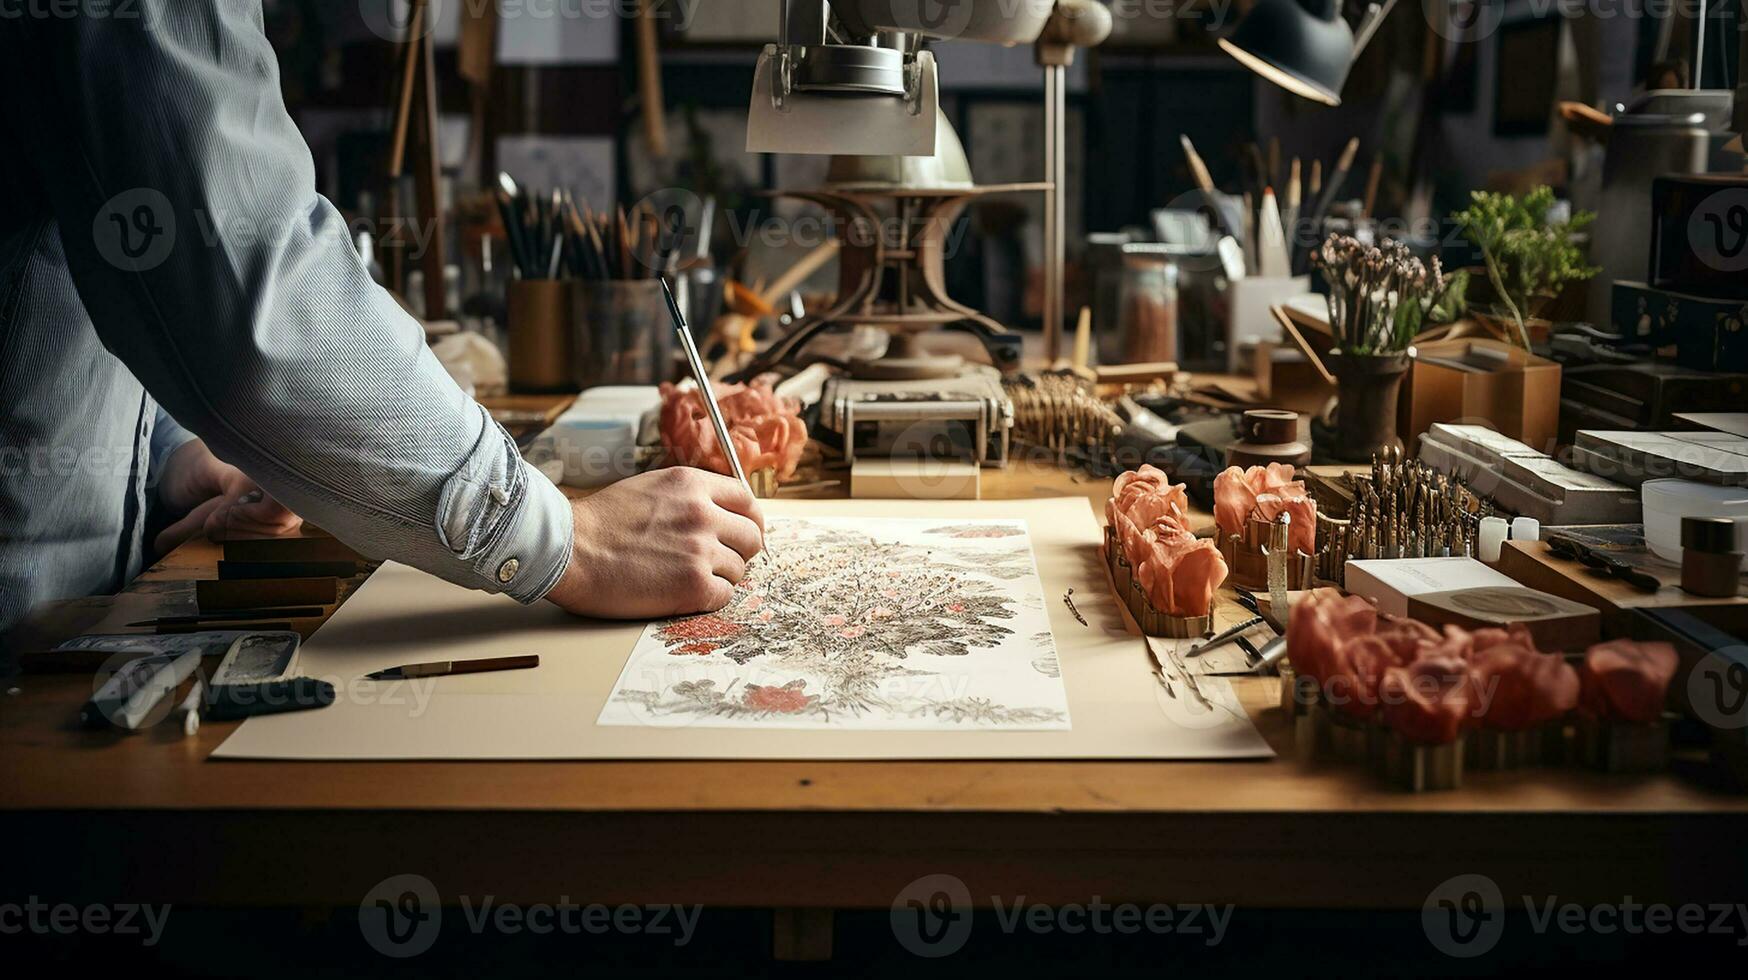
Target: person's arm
203 493
168 435
209 264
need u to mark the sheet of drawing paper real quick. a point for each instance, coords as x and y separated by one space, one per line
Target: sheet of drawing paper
882 623
1116 706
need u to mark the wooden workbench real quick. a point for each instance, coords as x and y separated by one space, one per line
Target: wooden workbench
146 817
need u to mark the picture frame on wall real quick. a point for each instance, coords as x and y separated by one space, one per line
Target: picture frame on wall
1526 66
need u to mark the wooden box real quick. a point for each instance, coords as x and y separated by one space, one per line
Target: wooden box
1478 379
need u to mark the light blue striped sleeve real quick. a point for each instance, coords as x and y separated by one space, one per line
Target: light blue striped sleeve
168 435
209 264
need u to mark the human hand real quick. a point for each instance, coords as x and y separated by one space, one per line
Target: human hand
663 543
219 499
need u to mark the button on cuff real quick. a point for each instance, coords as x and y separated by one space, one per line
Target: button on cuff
526 559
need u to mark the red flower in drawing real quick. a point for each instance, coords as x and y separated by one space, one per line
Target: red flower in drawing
709 627
791 698
830 594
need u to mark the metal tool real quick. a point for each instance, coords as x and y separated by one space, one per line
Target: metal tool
971 413
1227 635
1270 654
1402 509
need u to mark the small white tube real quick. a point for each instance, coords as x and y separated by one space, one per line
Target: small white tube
1526 529
1492 537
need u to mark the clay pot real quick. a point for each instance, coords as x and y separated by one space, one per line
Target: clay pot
1368 386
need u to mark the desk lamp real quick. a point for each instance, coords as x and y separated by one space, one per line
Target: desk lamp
1303 45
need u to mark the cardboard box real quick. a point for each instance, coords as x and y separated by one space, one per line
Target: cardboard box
1286 378
915 479
1390 582
1479 379
1554 623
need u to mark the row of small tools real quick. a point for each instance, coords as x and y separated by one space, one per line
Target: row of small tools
1403 509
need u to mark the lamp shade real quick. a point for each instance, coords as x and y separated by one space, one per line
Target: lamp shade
1301 45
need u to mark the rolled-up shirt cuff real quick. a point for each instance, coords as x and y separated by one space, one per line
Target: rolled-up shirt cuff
505 520
531 555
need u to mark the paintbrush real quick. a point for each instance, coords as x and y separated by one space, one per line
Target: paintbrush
707 394
1198 169
623 233
445 668
1372 179
1337 177
1320 210
1259 169
512 229
1290 208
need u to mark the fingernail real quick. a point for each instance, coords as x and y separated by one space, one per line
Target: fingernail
252 497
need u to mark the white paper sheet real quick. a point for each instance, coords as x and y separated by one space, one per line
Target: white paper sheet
878 624
1120 710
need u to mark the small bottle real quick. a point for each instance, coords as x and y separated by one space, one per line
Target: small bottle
1492 538
1710 563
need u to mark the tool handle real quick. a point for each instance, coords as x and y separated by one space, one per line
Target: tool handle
494 663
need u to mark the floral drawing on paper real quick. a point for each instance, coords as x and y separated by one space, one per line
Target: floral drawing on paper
874 623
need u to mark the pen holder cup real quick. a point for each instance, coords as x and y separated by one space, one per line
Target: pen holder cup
623 334
538 314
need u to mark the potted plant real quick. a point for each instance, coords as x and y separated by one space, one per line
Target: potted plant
1380 298
1527 256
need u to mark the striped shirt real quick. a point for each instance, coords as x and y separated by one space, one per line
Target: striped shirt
162 244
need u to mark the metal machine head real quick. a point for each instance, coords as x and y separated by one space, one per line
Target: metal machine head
850 76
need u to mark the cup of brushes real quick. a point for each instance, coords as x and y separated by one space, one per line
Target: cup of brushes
584 307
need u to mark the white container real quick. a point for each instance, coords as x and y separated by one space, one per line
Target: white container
1491 538
1668 501
596 439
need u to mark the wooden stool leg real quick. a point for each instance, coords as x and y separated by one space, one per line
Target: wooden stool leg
801 935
